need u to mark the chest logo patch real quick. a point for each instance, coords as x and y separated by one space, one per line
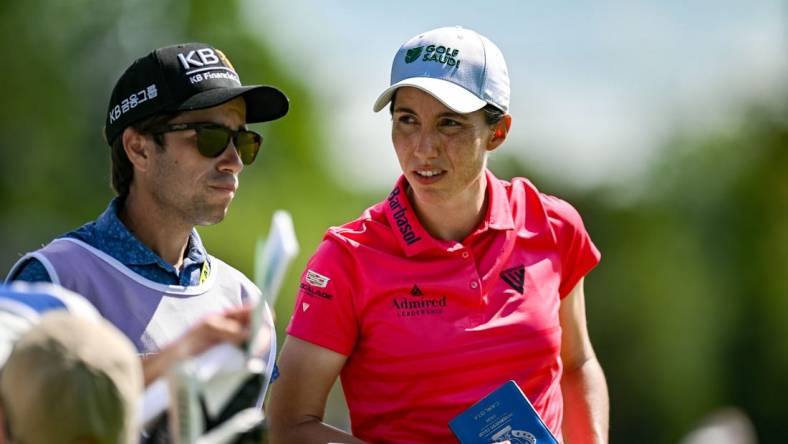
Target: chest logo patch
515 277
416 304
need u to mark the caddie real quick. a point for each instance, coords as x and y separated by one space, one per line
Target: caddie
177 129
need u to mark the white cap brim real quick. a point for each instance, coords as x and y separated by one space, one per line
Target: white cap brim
453 96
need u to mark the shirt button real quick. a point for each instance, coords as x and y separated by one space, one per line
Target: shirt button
474 285
465 255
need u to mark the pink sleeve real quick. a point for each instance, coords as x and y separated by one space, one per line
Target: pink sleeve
578 253
324 312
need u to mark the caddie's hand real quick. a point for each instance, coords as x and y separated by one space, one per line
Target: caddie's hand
231 326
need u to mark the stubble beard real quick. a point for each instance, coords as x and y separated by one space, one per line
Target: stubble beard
188 209
198 211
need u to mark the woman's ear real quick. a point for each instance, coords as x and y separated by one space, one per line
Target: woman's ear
500 132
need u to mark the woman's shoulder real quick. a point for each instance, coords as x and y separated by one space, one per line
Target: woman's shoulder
558 210
370 230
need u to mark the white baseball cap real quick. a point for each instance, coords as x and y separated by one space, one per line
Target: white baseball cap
23 303
461 68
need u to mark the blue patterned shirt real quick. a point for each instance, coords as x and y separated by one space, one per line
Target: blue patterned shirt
108 234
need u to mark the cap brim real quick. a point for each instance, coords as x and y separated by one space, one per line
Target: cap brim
263 103
12 326
453 96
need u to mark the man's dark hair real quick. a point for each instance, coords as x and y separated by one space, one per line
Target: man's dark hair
122 169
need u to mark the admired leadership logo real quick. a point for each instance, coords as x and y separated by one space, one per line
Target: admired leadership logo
515 277
403 223
416 303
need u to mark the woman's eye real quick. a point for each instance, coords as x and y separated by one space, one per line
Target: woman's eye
406 119
450 123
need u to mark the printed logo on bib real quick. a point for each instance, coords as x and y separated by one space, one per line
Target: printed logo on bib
515 277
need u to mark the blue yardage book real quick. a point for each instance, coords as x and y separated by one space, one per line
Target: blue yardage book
504 414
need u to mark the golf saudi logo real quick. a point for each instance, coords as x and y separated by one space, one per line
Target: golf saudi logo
413 54
434 53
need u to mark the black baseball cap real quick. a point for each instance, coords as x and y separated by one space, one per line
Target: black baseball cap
185 77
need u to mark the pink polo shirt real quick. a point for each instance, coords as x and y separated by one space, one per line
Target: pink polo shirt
431 326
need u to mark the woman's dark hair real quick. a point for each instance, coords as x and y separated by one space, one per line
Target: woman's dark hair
493 114
122 169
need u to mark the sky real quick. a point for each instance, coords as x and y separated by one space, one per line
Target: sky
597 87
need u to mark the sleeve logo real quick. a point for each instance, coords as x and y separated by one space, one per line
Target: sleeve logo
316 279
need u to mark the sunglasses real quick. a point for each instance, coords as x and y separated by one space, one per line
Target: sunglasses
212 139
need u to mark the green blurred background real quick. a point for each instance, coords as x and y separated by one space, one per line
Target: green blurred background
687 310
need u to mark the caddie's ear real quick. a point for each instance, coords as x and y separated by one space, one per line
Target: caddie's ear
500 131
138 147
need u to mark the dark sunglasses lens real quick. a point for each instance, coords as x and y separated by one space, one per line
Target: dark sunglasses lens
248 144
212 141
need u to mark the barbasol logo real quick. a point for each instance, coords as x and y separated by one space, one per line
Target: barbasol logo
403 223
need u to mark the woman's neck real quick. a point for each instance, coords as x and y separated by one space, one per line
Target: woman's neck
456 218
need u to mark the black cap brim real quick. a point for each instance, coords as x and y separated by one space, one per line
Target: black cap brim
263 103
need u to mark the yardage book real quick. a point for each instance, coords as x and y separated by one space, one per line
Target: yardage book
504 414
